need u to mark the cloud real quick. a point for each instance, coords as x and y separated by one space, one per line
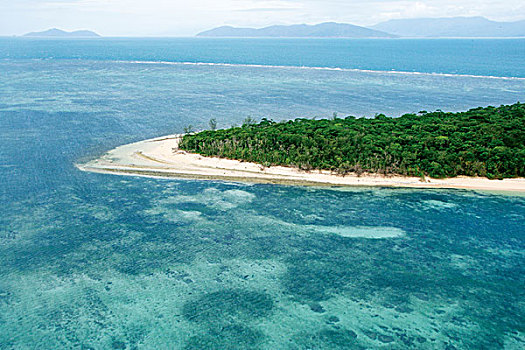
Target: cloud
270 9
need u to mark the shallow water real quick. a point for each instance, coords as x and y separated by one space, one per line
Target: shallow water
103 261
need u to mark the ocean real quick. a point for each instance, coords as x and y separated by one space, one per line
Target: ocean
93 261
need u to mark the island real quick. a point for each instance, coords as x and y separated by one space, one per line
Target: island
57 33
452 27
444 27
323 30
483 148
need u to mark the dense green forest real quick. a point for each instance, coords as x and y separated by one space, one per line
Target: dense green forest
487 142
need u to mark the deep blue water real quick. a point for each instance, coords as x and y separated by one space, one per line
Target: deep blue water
102 261
486 57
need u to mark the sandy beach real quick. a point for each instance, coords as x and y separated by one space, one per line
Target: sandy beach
161 157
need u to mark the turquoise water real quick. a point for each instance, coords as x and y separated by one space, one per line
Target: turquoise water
95 261
485 57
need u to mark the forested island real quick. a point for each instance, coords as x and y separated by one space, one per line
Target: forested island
487 142
57 33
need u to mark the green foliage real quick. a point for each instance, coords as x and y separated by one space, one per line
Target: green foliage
213 124
188 129
488 142
248 121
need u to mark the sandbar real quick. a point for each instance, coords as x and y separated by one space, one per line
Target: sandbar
161 157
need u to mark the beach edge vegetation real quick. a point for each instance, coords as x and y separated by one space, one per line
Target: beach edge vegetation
485 141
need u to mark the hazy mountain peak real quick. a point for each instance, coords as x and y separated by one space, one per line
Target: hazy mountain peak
452 27
323 30
54 33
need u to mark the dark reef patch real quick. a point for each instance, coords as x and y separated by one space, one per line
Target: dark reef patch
230 337
329 339
228 304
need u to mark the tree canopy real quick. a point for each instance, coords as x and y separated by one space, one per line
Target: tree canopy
487 142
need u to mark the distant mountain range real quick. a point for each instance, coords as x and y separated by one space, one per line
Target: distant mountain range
420 27
452 27
57 33
323 30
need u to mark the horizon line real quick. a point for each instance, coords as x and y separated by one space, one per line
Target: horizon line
263 27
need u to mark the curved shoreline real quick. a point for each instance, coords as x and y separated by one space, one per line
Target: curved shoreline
160 157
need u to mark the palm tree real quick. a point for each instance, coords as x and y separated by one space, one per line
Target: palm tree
213 124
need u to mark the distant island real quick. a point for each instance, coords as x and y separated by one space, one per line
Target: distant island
452 27
466 27
323 30
57 33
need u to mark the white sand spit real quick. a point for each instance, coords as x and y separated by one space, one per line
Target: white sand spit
161 157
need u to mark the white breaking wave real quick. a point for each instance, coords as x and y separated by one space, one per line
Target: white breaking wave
393 72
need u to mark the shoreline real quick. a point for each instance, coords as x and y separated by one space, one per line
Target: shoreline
161 157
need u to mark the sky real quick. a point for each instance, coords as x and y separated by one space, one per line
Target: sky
188 17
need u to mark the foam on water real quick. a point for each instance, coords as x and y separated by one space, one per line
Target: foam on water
333 69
